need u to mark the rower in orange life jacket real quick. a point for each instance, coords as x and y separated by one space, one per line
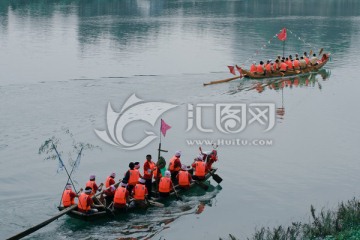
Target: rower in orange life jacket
149 168
296 64
184 177
253 67
165 185
268 66
68 197
199 167
121 196
175 165
91 183
110 180
108 194
289 64
260 68
85 203
139 193
283 66
131 176
306 58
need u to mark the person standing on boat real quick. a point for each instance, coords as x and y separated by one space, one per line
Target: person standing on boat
140 192
165 185
253 67
175 165
121 197
110 180
149 168
68 197
131 177
184 177
92 184
199 167
86 203
260 70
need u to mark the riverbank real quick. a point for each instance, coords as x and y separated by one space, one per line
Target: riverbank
343 223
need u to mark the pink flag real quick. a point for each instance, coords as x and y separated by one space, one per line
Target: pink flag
232 69
282 35
239 70
164 127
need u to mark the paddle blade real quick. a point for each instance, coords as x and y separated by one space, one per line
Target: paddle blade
320 52
217 178
310 53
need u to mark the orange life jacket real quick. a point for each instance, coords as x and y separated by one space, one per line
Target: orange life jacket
296 64
91 184
268 67
139 191
165 185
283 66
260 68
289 64
306 60
82 205
134 177
120 195
66 199
253 68
157 173
148 175
274 67
172 164
200 168
184 179
107 183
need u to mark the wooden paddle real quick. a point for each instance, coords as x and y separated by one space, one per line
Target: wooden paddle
40 225
155 204
221 81
176 193
320 52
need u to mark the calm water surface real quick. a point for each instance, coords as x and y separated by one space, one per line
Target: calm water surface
62 62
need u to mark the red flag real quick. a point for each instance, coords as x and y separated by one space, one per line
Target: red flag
232 69
282 35
164 127
239 69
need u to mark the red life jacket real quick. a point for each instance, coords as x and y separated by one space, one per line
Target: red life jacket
172 164
306 60
165 185
260 68
296 64
184 179
274 67
82 205
268 67
200 168
253 68
120 195
139 191
66 198
148 175
109 181
91 184
289 64
134 177
283 66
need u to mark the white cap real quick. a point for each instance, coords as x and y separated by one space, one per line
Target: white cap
92 177
184 167
112 188
141 180
254 62
167 173
177 153
112 175
88 190
123 184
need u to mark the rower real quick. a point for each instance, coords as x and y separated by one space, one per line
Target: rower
110 180
149 168
108 193
121 197
140 192
131 176
211 158
199 167
165 185
253 67
268 66
296 64
289 64
260 68
283 66
175 165
184 177
92 184
306 58
302 63
86 203
137 165
68 197
314 60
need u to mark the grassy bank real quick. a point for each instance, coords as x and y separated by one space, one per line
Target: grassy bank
342 223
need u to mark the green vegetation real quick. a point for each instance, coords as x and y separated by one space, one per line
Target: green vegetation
340 224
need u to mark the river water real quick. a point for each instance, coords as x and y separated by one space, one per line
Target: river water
62 62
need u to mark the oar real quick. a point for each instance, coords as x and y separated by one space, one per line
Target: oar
221 81
155 204
320 52
216 177
37 227
176 193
